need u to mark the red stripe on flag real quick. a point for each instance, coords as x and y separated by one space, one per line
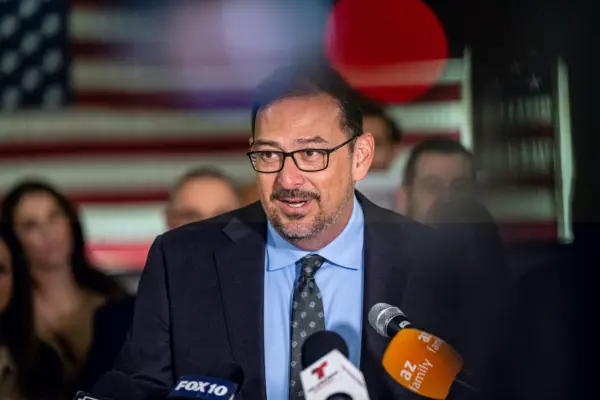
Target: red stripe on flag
146 54
236 143
526 231
118 257
96 4
520 180
161 147
162 100
205 100
116 197
137 196
530 132
412 138
438 93
101 51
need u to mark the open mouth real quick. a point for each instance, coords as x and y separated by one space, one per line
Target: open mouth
295 203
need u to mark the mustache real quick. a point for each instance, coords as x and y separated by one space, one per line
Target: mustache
301 194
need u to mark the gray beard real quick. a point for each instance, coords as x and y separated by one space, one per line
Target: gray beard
295 232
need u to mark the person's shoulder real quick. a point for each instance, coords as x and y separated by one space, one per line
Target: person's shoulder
398 227
212 232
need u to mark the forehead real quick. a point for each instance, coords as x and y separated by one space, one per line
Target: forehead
199 189
298 117
35 202
445 166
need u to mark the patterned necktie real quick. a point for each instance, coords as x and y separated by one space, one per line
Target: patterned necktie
307 317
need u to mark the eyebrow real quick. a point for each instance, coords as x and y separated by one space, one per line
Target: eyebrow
262 142
315 139
310 140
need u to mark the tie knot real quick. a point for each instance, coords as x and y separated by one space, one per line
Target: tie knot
310 264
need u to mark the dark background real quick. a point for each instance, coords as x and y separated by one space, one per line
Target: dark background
501 30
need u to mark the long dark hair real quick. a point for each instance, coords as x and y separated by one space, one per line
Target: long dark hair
85 275
17 322
39 368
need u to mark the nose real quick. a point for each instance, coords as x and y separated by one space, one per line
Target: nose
290 176
47 232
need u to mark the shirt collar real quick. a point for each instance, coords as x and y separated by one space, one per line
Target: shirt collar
344 251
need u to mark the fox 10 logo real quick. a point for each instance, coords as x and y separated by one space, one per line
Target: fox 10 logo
204 388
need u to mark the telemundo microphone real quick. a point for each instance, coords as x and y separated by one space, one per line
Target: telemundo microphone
222 383
327 373
417 360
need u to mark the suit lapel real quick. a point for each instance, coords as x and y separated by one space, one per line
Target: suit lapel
241 278
381 255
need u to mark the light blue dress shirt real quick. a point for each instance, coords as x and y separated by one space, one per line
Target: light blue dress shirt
340 280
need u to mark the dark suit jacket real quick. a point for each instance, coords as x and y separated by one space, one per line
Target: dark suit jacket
200 300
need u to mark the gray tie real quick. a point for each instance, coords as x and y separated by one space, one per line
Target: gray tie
307 317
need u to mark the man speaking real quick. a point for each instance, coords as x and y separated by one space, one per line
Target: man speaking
251 285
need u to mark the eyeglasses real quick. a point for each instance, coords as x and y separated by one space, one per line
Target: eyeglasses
307 160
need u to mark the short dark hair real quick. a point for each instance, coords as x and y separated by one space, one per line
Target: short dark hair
302 80
433 145
371 108
203 172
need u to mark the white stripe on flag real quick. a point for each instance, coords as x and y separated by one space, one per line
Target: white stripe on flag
114 75
116 25
522 204
122 222
118 125
121 172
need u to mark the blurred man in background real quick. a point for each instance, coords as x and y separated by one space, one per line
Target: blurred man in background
200 194
385 132
435 167
380 183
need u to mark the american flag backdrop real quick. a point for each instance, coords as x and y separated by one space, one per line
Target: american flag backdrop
146 94
524 144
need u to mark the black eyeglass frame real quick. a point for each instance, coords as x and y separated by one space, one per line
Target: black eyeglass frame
290 154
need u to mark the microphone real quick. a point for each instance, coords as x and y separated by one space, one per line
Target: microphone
86 396
417 360
327 373
114 385
221 383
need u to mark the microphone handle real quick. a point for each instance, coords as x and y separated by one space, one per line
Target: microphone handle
339 396
396 325
465 385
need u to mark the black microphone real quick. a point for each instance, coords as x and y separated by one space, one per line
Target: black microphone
321 343
327 373
222 382
87 396
114 385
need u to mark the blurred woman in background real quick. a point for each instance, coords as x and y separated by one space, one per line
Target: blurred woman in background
73 303
29 368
